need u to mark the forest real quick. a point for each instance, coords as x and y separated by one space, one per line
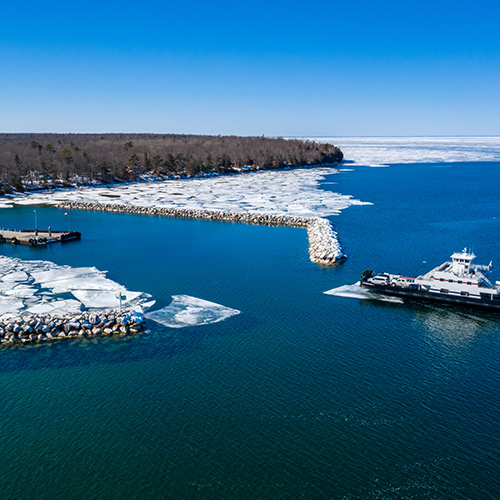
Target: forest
42 161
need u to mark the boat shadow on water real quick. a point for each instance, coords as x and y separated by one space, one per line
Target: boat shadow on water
442 319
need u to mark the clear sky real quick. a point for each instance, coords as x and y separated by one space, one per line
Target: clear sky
317 68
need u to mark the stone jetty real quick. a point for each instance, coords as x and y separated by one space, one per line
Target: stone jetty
324 243
85 324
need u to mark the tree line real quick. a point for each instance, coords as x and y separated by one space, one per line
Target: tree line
42 161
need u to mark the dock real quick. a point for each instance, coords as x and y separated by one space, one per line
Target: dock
36 238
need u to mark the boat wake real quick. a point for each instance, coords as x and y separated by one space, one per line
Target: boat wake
354 291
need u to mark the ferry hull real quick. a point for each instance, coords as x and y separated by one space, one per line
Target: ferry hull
423 295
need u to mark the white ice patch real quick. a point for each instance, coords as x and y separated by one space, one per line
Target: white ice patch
189 311
10 306
356 292
103 298
291 192
56 307
20 291
16 276
62 273
32 287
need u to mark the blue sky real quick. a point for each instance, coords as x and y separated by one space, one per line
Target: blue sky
273 68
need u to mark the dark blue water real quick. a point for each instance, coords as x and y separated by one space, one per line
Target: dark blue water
303 395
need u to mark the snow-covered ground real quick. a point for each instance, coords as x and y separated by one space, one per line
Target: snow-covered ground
289 192
377 151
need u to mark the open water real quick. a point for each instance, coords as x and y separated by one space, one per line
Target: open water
302 395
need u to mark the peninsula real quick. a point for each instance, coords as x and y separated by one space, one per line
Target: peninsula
31 162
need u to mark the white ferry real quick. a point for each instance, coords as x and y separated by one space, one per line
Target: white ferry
455 282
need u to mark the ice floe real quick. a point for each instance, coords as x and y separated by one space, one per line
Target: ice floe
190 311
381 151
37 287
290 192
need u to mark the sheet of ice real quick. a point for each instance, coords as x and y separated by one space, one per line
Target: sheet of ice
20 291
42 307
380 151
190 311
33 287
10 306
104 298
63 273
68 306
356 292
16 276
289 192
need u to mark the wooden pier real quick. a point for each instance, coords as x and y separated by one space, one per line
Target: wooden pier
36 238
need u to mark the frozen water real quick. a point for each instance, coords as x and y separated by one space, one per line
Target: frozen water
20 291
45 280
16 276
104 298
96 282
43 307
10 305
380 151
290 192
190 311
57 307
62 273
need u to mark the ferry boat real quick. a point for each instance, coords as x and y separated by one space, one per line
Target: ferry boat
455 282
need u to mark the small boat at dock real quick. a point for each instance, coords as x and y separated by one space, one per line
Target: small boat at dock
457 282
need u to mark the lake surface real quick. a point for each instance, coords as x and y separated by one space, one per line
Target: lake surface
302 395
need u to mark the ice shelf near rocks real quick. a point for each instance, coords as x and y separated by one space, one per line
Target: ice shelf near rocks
32 287
35 304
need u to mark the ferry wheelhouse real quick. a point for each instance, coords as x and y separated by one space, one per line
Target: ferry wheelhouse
458 282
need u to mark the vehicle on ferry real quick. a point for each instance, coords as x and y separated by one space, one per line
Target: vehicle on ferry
456 282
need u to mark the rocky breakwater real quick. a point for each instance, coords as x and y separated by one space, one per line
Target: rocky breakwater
324 242
85 324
